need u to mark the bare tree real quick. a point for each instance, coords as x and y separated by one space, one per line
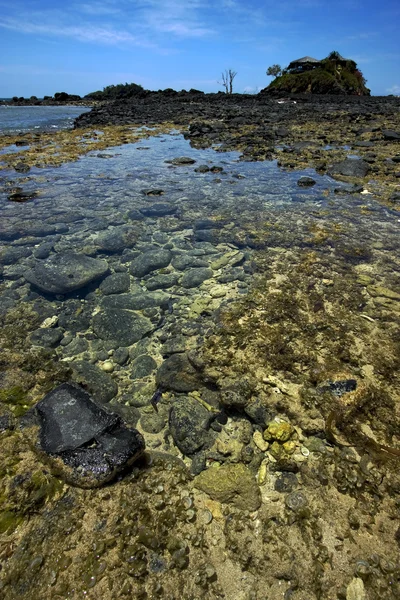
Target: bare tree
227 80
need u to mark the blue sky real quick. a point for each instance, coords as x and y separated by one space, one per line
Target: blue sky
48 46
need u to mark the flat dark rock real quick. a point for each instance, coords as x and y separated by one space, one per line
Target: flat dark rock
86 445
120 325
350 167
64 273
306 181
181 160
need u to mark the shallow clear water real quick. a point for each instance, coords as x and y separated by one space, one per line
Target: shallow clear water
85 205
14 119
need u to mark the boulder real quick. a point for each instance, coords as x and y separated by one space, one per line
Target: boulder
84 444
350 167
64 273
188 421
96 381
178 374
124 327
150 261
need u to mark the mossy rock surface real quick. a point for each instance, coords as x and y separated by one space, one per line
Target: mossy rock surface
232 484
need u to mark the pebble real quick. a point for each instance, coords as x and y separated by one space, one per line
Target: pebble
107 366
260 442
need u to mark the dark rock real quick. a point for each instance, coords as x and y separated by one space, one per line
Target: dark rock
208 224
64 273
73 318
184 261
121 326
22 167
202 169
116 240
188 422
159 209
7 423
363 144
153 422
285 483
395 197
259 412
98 383
340 387
194 277
77 346
306 181
207 235
350 189
43 251
22 196
117 283
121 356
142 366
135 215
84 444
153 192
175 345
46 337
150 261
178 374
182 160
350 167
390 135
162 282
137 301
13 254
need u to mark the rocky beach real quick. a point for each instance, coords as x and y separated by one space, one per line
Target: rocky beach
199 382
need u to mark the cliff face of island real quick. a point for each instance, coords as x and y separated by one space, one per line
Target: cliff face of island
331 75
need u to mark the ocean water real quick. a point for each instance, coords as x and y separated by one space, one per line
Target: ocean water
14 119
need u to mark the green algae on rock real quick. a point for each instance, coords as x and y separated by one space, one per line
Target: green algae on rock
231 483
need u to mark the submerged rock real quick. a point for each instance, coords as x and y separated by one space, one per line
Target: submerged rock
188 425
64 273
231 483
122 326
350 167
96 381
181 160
84 444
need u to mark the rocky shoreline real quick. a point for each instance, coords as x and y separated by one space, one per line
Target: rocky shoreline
248 329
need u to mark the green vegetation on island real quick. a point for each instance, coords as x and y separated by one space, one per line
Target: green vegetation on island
331 75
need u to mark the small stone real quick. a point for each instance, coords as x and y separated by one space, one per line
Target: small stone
260 442
306 181
289 447
262 473
278 431
107 366
181 160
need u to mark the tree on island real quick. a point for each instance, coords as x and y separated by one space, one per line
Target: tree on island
274 71
227 80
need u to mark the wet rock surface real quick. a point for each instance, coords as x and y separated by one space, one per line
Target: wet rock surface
84 444
64 273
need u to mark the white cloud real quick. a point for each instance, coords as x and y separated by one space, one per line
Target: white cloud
395 89
83 33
